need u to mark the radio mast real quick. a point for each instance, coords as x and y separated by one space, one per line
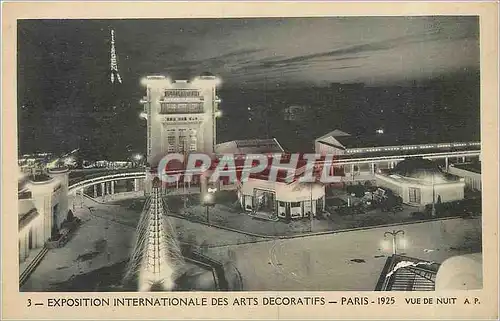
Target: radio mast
114 64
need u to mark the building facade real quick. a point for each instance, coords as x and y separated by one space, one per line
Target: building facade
286 200
43 207
181 115
470 172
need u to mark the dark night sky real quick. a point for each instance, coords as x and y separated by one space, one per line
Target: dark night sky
63 65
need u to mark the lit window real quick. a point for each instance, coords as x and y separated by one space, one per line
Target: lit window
182 140
171 140
192 140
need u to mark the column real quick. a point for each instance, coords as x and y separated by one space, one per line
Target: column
47 219
446 163
34 235
136 188
372 168
112 187
95 190
463 159
40 239
103 189
203 184
26 243
20 245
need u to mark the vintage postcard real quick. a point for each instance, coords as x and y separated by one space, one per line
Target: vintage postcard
251 160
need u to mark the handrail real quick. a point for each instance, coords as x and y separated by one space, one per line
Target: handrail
25 274
119 176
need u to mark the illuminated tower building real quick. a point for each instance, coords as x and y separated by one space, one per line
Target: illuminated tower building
180 114
181 117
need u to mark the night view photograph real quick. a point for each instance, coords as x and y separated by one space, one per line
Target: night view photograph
389 105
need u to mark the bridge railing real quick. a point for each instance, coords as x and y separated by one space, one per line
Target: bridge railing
106 178
81 175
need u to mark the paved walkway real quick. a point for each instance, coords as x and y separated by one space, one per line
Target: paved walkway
309 263
325 263
105 238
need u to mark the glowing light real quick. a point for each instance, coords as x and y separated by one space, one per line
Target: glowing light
206 82
69 160
208 198
156 258
143 115
380 131
137 157
155 81
218 113
386 245
403 243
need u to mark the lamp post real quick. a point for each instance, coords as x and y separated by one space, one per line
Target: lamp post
137 158
311 209
394 235
433 198
208 201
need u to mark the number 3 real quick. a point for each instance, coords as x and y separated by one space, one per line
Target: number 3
29 302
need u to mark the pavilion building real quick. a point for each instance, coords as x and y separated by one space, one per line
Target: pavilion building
42 208
420 182
361 156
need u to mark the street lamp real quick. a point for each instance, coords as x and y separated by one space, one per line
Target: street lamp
433 212
208 201
394 235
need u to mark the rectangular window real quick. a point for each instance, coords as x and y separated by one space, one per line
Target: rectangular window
182 140
171 140
166 108
181 108
414 195
295 204
192 139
